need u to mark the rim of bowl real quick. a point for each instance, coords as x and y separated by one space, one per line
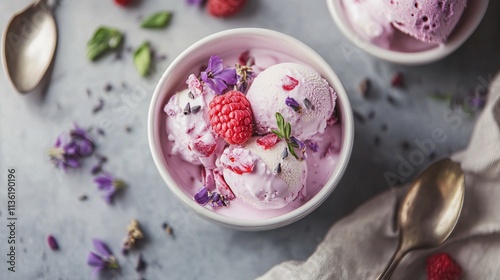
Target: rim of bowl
289 217
411 58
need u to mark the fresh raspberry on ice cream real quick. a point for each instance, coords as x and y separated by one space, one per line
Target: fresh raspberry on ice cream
231 117
442 267
224 8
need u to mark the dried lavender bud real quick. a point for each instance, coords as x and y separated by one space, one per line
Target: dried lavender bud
391 100
82 197
277 170
169 230
99 106
384 127
141 264
51 240
195 109
100 131
405 145
364 87
360 118
308 104
191 95
128 129
397 80
187 109
96 169
108 87
89 93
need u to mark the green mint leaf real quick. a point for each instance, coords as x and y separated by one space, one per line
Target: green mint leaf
278 133
280 121
292 150
288 130
142 59
157 20
104 39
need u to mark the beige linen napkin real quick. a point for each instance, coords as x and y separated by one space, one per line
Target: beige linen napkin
360 245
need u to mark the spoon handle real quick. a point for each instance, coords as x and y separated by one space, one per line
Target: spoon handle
393 263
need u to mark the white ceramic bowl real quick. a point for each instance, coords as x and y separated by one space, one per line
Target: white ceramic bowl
472 16
229 41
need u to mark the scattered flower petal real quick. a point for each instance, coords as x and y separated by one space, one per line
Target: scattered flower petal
51 240
109 185
104 259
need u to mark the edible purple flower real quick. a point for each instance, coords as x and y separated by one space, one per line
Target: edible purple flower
292 103
109 185
103 259
204 196
217 77
195 2
313 146
83 144
63 155
68 153
297 143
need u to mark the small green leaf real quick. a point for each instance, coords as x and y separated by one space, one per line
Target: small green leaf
280 121
157 20
103 40
287 130
278 133
142 59
292 151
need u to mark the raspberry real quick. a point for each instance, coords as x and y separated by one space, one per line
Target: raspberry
268 141
231 117
123 2
224 8
442 267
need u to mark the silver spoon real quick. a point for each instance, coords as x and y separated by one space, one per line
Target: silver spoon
429 212
29 46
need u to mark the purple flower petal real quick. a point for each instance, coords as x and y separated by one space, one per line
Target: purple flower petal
292 103
313 146
299 143
102 248
214 64
72 162
217 85
195 2
108 195
58 142
228 75
104 181
202 196
95 260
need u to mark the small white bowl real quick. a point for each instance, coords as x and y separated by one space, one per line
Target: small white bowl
229 41
472 16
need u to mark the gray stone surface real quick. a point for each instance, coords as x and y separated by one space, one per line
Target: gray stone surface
47 200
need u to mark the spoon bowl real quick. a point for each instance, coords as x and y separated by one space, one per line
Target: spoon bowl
429 212
29 46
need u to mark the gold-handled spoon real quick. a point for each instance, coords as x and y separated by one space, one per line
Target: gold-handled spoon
29 45
429 212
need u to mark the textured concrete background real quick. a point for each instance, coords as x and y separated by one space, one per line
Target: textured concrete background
47 200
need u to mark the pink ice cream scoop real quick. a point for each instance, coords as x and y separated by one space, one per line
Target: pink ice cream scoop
296 91
261 176
426 20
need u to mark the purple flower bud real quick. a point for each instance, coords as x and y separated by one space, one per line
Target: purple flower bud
51 240
292 103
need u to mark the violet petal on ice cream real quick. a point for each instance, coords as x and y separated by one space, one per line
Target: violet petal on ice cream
313 146
292 103
217 77
202 196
